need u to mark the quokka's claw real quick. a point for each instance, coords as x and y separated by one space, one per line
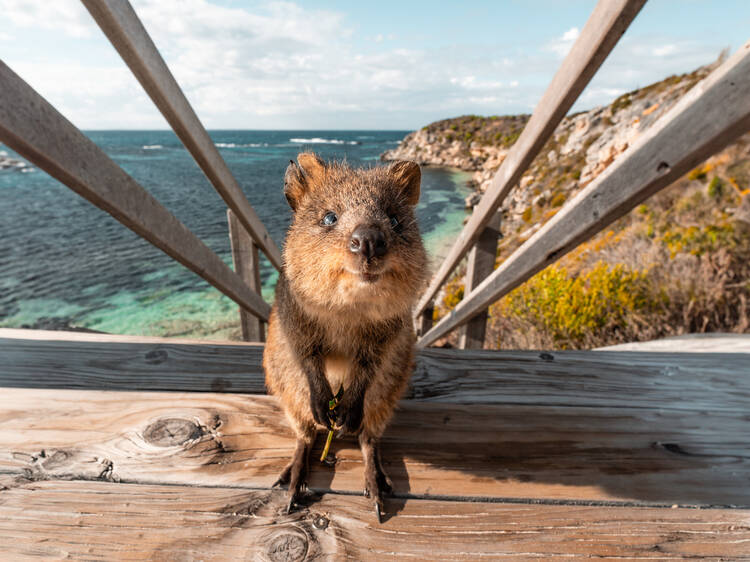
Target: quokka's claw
379 511
292 504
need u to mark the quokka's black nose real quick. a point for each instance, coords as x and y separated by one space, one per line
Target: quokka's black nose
368 241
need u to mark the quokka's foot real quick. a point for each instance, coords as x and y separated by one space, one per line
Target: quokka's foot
377 483
377 486
295 475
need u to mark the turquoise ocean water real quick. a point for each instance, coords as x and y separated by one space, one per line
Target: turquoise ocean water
65 263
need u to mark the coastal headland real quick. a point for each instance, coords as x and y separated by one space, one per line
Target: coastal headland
670 267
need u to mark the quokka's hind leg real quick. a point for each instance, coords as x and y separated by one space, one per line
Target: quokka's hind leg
296 472
377 482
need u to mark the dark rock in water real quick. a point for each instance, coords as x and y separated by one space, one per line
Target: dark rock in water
57 324
473 200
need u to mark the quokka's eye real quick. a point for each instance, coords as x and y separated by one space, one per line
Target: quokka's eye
329 219
394 221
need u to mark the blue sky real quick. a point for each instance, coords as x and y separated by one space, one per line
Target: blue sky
349 65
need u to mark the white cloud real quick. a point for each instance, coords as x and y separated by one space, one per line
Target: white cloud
282 65
562 45
571 35
70 17
663 50
639 61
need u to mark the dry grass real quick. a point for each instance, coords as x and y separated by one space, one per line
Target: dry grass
678 264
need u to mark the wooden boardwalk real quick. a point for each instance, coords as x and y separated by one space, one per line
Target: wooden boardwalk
113 447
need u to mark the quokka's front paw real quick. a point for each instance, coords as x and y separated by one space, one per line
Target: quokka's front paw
319 405
349 418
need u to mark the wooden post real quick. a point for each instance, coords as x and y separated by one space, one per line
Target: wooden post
481 264
247 266
425 320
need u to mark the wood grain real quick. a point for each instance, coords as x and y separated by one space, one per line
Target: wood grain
710 116
636 455
121 25
38 132
106 521
605 26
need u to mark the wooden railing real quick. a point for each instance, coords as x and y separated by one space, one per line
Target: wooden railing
37 131
712 115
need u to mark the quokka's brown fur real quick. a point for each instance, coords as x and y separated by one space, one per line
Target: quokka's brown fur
342 316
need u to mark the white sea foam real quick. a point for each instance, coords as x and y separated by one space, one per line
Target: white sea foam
233 145
151 146
318 140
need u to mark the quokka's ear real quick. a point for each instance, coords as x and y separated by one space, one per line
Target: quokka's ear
301 179
407 177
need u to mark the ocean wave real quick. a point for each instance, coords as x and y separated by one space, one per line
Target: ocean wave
234 145
151 146
318 140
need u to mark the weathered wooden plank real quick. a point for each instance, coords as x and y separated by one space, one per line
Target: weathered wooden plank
480 264
118 363
709 117
643 456
121 25
105 521
247 266
684 382
605 26
703 343
36 130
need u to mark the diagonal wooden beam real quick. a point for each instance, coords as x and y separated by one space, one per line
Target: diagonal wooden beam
605 26
37 131
709 117
121 25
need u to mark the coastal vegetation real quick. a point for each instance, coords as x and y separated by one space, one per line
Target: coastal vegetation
678 263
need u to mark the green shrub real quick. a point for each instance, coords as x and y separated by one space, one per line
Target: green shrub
621 103
572 309
716 188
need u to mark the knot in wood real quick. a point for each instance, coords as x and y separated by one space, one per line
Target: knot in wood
171 432
156 356
287 547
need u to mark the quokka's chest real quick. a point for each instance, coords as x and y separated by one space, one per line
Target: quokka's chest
338 371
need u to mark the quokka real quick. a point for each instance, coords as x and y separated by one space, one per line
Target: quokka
341 326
